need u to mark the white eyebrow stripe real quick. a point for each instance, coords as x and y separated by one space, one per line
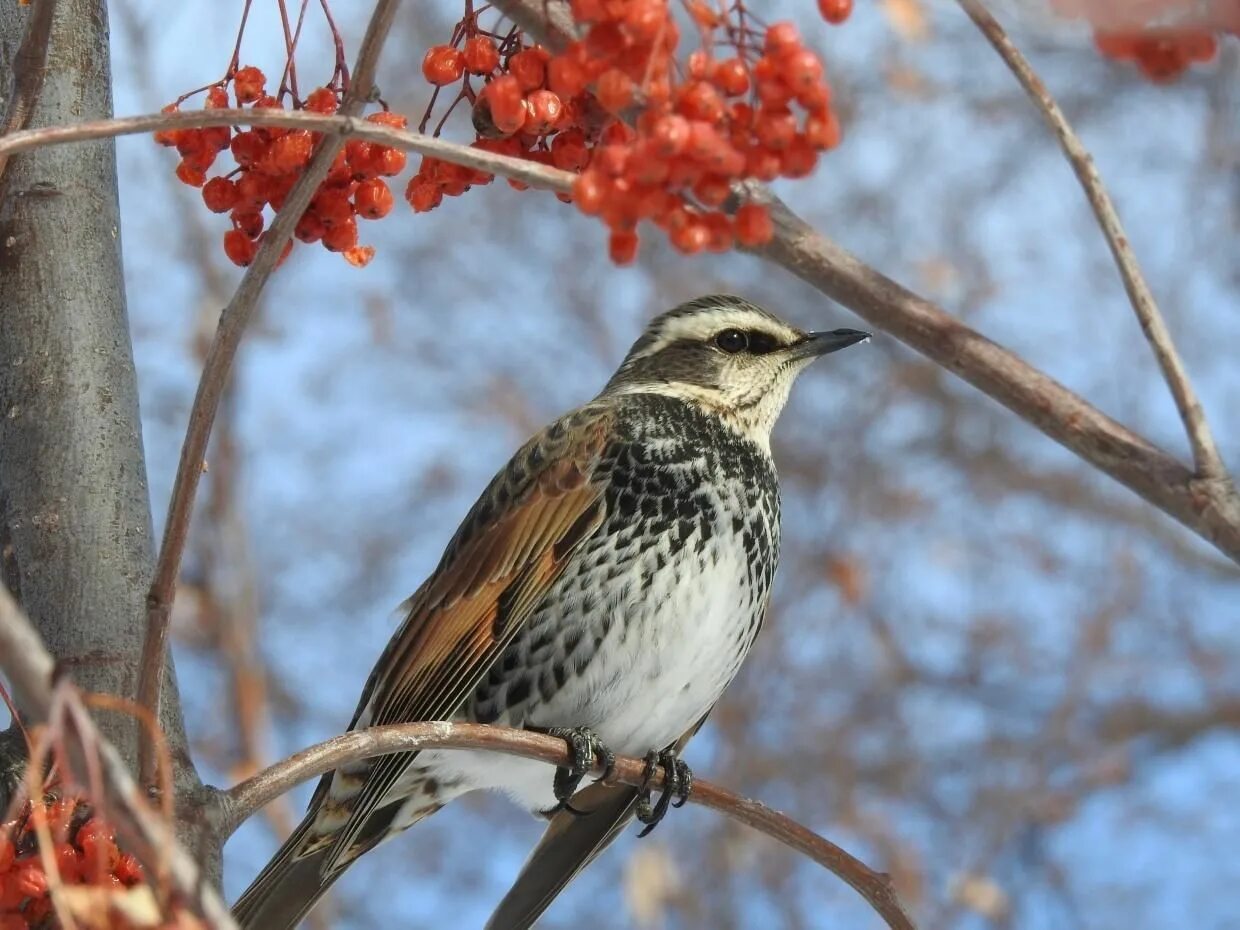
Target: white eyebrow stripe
704 325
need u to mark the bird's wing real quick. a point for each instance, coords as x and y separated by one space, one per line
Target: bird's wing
571 842
507 554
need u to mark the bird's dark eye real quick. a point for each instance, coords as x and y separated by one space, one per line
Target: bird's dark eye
732 341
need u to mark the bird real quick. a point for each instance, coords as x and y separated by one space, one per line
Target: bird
604 588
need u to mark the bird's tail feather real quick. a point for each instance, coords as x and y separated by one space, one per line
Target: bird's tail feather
287 887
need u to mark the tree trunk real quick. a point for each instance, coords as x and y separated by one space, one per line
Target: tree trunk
75 518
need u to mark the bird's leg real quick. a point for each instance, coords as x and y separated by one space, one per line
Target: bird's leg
584 747
676 790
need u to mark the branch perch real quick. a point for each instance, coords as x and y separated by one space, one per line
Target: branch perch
1209 464
247 797
233 321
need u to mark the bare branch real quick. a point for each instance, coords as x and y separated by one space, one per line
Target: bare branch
347 127
1209 464
29 66
233 321
30 668
244 799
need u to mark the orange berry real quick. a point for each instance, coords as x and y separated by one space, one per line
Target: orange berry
13 922
835 11
731 76
442 65
622 246
569 150
781 38
690 238
239 248
566 77
68 863
289 152
699 64
644 19
309 228
360 255
248 148
217 99
614 90
423 195
798 159
387 161
802 69
775 127
670 135
546 110
712 189
529 68
249 84
7 851
188 173
762 164
129 869
507 104
322 100
388 118
753 225
341 236
373 200
822 130
220 195
700 100
168 136
253 191
250 222
480 55
588 193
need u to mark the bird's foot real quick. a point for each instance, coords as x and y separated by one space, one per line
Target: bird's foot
676 789
584 746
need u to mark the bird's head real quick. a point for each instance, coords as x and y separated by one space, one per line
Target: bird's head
728 357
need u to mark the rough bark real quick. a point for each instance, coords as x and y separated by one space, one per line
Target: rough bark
75 519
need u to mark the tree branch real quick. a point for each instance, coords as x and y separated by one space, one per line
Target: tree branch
30 668
1209 464
347 127
233 321
247 797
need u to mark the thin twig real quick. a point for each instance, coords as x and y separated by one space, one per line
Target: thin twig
29 667
233 321
29 67
347 127
249 796
1209 465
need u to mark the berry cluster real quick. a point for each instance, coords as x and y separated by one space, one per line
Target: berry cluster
269 160
85 853
650 139
1162 55
523 108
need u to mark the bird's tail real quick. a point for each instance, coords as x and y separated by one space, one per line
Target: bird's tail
287 887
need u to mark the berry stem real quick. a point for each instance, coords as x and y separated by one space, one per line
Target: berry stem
340 77
290 46
235 61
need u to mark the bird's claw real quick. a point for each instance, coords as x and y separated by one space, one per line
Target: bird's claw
676 790
584 746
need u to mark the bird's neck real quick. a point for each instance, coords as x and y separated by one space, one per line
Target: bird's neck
751 422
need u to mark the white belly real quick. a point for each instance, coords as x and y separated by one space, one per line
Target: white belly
666 659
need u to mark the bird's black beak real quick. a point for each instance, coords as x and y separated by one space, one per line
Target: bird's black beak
823 343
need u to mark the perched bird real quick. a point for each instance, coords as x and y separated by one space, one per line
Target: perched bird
605 587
